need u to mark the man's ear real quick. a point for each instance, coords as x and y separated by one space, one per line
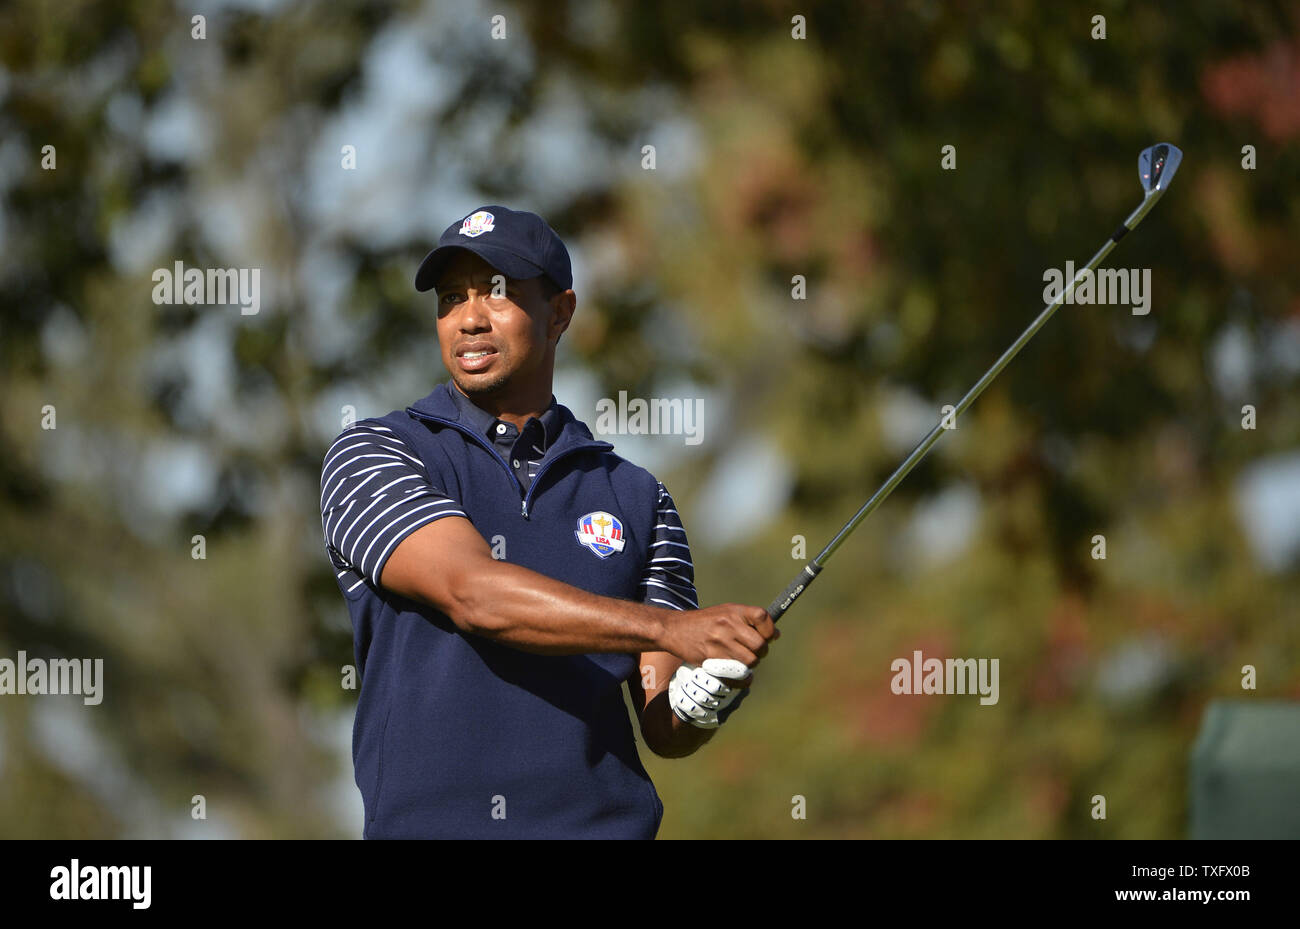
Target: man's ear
562 306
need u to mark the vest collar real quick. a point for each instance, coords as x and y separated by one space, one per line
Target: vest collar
439 405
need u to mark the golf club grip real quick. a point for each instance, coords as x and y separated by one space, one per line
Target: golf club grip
792 592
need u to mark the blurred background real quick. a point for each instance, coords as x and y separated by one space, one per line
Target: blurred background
773 156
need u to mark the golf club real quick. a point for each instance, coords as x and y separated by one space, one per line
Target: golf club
1156 168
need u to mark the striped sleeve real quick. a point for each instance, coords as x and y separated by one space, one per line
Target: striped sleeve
669 579
374 493
669 576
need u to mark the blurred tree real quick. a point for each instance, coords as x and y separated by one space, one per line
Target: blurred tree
776 157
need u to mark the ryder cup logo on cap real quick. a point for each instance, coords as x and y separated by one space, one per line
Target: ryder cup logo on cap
601 532
476 224
522 246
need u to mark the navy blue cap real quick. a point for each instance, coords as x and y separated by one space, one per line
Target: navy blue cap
518 244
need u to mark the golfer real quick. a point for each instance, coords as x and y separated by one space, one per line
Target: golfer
507 574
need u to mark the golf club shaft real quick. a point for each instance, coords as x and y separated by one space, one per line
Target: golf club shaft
810 571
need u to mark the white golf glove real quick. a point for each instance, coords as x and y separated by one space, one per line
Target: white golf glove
697 693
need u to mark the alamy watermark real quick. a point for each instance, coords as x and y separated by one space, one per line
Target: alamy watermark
103 882
38 676
1107 286
919 675
215 287
657 416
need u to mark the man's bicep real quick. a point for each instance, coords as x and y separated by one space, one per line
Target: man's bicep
426 564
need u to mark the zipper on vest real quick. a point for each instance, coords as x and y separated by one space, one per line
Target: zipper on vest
537 480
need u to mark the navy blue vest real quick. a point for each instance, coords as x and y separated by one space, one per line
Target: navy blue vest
460 737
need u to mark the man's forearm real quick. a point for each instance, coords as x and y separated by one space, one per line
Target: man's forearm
535 613
666 734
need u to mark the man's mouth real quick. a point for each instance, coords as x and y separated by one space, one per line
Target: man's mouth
475 356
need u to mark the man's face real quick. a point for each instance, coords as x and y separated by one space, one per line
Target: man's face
499 343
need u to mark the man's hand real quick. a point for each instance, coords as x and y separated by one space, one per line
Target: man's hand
696 694
729 630
719 646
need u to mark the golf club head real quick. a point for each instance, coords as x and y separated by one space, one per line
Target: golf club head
1157 166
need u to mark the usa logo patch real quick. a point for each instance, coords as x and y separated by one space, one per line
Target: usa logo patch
476 224
601 532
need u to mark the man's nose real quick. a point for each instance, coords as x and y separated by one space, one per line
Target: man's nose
473 312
